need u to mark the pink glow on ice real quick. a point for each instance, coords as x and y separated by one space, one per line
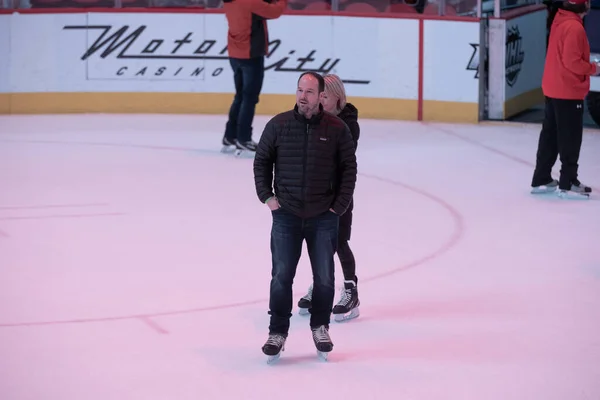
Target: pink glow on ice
135 263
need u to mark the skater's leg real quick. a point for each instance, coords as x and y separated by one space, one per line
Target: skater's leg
254 72
238 80
305 302
347 306
345 255
343 249
547 150
286 248
347 261
569 118
321 233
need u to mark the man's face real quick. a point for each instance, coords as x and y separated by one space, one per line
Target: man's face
308 96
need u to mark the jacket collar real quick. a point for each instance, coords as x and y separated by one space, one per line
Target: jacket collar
314 120
564 15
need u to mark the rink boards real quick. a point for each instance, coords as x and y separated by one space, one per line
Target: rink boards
154 62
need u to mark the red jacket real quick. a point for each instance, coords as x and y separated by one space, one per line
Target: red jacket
248 36
568 68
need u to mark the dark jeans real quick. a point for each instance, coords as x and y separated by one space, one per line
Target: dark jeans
287 235
562 133
248 78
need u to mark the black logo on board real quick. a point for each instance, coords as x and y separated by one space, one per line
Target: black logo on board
185 57
473 64
514 55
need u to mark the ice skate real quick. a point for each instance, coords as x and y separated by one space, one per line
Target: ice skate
228 145
579 187
322 341
245 149
273 347
305 303
347 308
573 195
547 188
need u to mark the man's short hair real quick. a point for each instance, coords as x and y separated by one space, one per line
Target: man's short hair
319 78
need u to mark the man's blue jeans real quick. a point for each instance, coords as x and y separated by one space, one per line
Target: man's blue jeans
287 236
248 77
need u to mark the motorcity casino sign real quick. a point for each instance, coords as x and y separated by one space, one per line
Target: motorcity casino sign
131 54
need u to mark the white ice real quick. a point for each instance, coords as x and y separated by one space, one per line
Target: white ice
135 264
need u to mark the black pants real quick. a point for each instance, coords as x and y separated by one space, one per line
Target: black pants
287 235
248 78
562 133
344 252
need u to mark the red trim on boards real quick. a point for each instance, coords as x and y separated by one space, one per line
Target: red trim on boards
201 10
421 66
127 10
518 12
421 57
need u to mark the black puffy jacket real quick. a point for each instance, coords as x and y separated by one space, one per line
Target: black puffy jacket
314 160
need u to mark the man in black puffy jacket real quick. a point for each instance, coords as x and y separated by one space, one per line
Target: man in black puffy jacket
313 155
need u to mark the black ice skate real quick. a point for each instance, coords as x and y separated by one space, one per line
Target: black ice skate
305 303
274 346
347 307
245 148
228 145
322 341
579 187
573 195
578 191
547 188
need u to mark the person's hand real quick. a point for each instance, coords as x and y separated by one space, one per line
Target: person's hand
331 209
273 204
597 69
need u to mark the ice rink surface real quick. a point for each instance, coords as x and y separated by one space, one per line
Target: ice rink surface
135 264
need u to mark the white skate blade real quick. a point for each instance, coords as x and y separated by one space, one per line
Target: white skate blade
273 359
322 355
303 311
355 312
227 149
241 153
570 195
544 189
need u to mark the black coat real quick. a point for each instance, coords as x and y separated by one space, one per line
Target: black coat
314 161
349 115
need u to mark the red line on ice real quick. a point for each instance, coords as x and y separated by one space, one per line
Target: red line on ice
45 206
491 149
60 216
454 238
154 326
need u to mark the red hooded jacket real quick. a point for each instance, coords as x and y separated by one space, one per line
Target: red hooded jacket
568 68
248 35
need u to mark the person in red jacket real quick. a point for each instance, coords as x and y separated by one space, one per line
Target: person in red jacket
565 83
247 45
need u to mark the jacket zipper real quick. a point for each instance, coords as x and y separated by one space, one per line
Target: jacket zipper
304 161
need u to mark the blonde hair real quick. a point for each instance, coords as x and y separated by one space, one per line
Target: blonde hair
335 86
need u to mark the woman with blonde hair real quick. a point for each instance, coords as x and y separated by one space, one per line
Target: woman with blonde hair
334 102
